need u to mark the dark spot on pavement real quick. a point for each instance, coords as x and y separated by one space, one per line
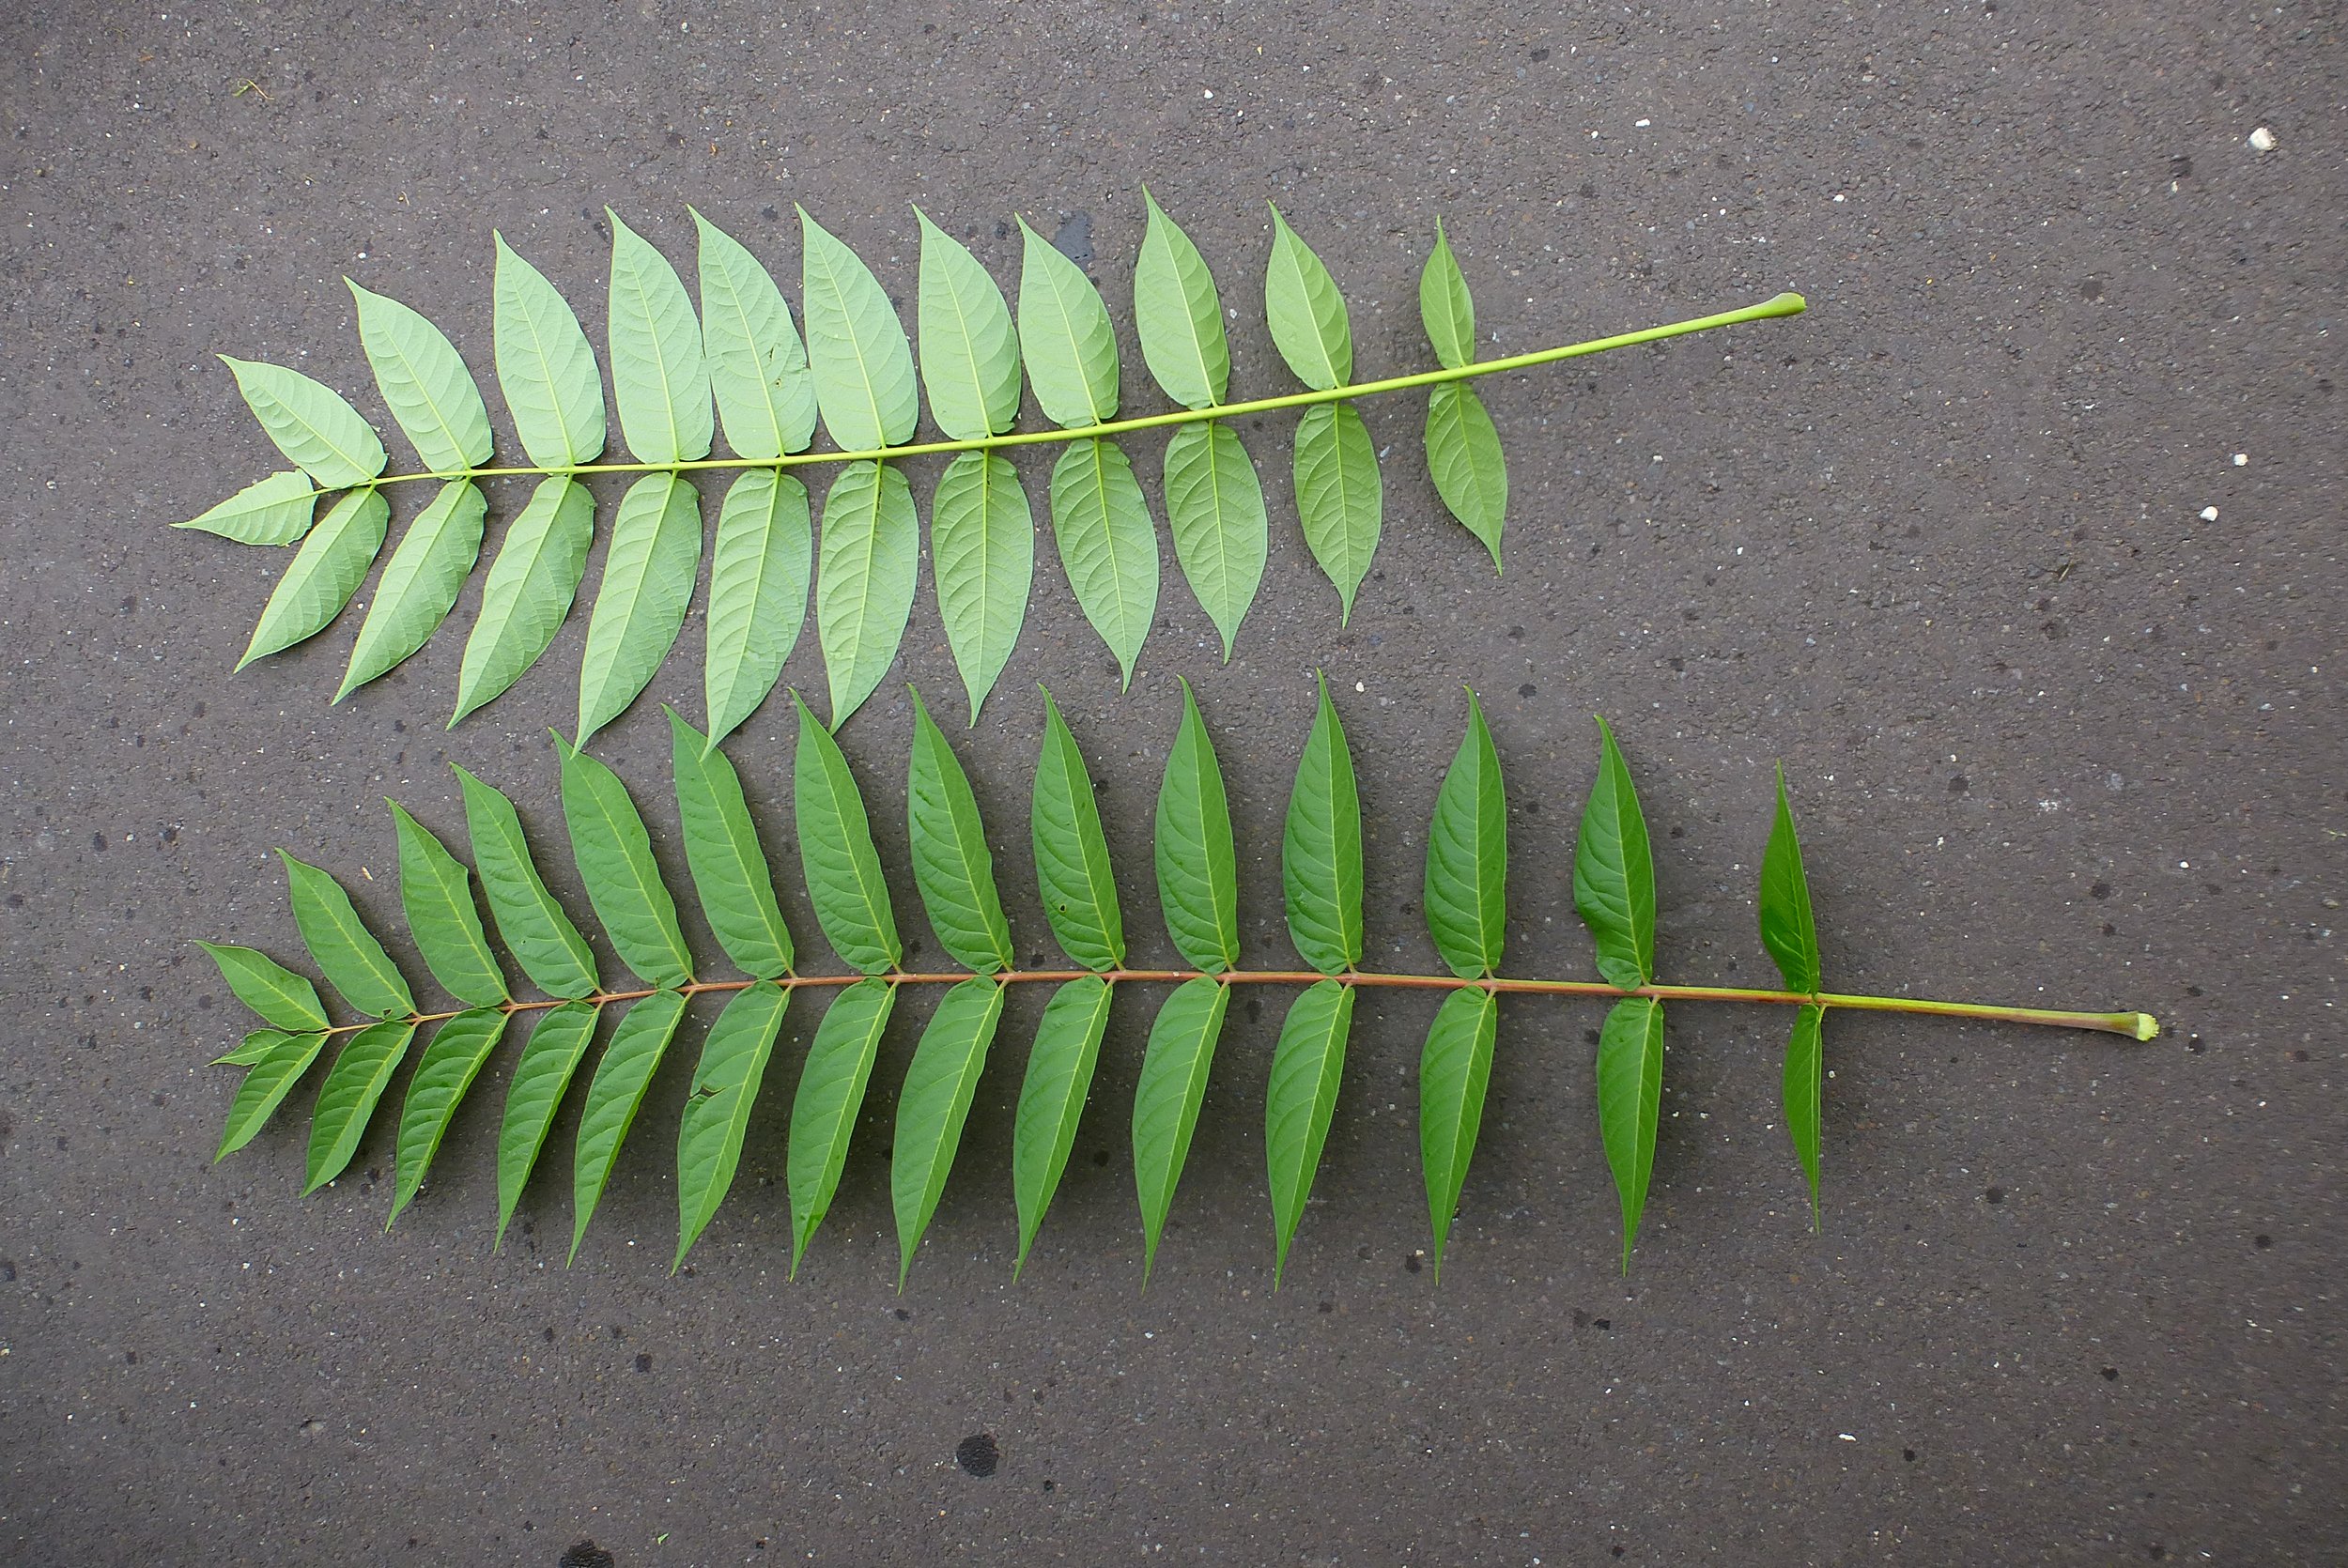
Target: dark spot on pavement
1994 1195
2111 1375
978 1453
643 1360
586 1554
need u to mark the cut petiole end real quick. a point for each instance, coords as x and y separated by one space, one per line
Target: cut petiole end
2147 1026
1787 303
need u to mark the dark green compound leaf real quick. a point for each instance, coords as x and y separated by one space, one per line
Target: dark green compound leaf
1198 869
533 1095
934 1105
613 854
730 873
831 1091
1467 857
951 864
1108 547
1629 1096
449 1066
982 554
1464 459
323 575
1614 873
613 1097
265 1086
282 997
1167 1098
1052 1097
758 578
257 1046
420 583
1320 849
353 1087
718 1114
648 574
1804 1090
1453 1073
1221 534
536 930
843 874
272 511
1072 855
527 590
346 952
1305 1068
436 893
1789 930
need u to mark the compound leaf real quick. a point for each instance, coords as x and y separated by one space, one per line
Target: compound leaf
1052 1097
1197 868
1072 855
449 1066
435 894
1339 495
983 553
856 346
528 591
265 1084
1214 503
758 577
659 378
1470 472
346 952
718 1113
282 997
257 1046
1629 1096
730 873
756 364
420 583
648 572
831 1091
1167 1098
951 864
311 423
353 1087
1320 849
934 1105
1453 1073
1788 928
1064 333
324 574
613 1095
871 558
271 511
613 854
1108 547
1614 873
1306 312
536 930
843 868
970 351
545 367
1302 1095
533 1095
1445 306
1177 315
1467 857
424 383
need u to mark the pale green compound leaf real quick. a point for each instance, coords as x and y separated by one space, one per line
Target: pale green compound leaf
648 572
1463 455
354 1086
533 1095
282 997
758 578
257 1046
1052 1098
435 894
613 854
528 591
545 367
1301 1096
1167 1098
757 365
1467 857
311 423
536 930
447 1068
1452 1073
951 864
934 1105
1307 312
869 564
424 383
613 1097
843 869
1340 495
983 552
1804 1092
1614 873
1072 855
1630 1097
970 351
420 583
1214 502
1320 849
272 511
1445 307
1197 868
730 869
346 952
659 378
1065 335
325 573
265 1084
1177 315
718 1113
824 1111
1108 547
856 346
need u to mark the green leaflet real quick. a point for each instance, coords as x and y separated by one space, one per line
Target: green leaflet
730 873
758 576
435 894
1197 868
1072 856
1065 333
265 1087
353 1086
969 352
1167 1098
871 557
1614 873
533 1095
1214 503
1629 1096
536 930
1052 1097
613 854
424 383
1444 307
311 423
1302 1095
1108 547
613 1095
757 366
1453 1073
528 591
856 346
659 378
325 573
282 997
271 511
1463 455
951 863
1177 315
983 553
1467 857
1788 930
831 1091
1307 312
544 368
1804 1090
718 1115
420 583
346 952
1339 495
935 1103
648 572
257 1046
836 853
1320 849
449 1066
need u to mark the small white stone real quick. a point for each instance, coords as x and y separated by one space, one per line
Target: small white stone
1642 124
2241 459
2209 513
2261 140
